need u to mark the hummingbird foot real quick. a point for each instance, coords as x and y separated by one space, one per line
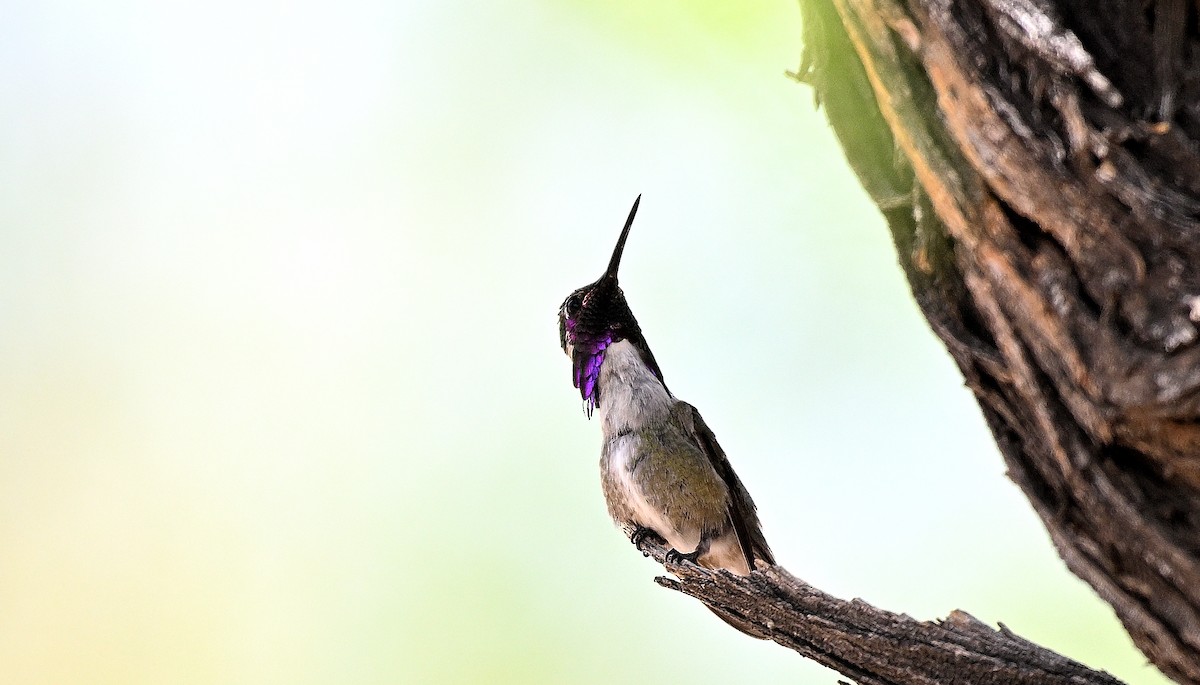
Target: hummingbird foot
642 533
674 556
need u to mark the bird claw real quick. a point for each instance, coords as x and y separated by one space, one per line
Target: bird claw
674 556
641 534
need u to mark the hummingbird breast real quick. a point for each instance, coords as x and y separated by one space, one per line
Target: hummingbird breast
654 472
632 395
655 479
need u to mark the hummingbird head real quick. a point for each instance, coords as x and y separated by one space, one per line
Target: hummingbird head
596 316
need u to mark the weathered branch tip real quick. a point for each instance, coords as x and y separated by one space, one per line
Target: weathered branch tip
870 645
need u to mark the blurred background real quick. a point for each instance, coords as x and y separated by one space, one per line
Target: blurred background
281 397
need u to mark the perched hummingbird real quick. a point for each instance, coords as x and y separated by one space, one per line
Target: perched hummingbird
661 467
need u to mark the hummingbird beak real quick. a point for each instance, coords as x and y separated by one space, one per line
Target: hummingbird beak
615 262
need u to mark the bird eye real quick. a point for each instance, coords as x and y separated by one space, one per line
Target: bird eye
573 304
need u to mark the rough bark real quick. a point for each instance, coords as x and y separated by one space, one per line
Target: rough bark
1038 165
872 646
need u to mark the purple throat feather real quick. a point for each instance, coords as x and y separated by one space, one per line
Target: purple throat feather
589 355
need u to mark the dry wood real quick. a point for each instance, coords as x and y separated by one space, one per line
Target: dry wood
1038 163
872 646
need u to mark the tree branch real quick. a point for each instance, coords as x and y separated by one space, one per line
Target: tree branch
873 646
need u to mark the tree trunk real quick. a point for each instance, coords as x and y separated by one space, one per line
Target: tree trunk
1038 165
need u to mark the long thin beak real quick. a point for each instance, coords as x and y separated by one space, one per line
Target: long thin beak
615 262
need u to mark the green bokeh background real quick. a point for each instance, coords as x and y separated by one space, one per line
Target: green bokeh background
281 399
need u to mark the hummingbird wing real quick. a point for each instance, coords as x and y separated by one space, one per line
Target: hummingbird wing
742 512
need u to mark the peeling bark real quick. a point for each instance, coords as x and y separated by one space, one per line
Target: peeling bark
1038 162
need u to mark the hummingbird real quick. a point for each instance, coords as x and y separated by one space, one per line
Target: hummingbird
662 470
